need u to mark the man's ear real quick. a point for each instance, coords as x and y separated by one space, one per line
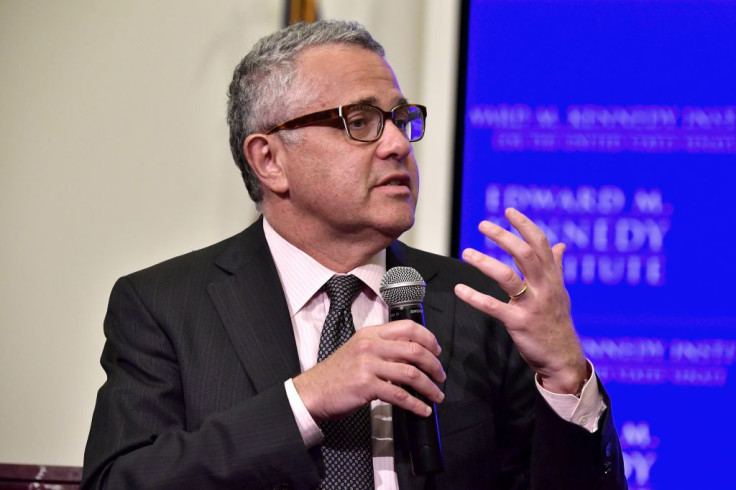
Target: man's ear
264 157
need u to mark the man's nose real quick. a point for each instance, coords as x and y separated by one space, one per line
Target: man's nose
393 141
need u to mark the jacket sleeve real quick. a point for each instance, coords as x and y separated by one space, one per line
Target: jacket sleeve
565 455
542 451
140 438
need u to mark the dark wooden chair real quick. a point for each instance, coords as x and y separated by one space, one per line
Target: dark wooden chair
41 477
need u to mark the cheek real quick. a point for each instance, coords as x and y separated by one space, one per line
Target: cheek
307 171
329 183
414 171
318 170
343 174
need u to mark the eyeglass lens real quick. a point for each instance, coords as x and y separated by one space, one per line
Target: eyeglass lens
364 123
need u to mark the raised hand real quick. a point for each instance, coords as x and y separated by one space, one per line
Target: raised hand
538 314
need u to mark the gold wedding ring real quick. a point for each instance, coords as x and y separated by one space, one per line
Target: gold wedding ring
518 295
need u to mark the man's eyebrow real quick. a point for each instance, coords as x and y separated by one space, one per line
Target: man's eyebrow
374 102
367 101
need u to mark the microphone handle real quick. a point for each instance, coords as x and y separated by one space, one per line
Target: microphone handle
425 447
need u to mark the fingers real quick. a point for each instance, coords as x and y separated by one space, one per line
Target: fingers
483 302
413 355
398 396
524 255
409 366
558 250
394 362
405 376
408 351
532 253
501 273
531 234
410 331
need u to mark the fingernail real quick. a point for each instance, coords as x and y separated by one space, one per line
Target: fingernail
485 226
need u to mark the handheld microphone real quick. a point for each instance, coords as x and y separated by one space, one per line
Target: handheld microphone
402 288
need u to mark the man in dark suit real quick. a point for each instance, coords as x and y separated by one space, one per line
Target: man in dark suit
213 379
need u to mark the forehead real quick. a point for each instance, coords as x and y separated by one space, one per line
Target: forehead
335 75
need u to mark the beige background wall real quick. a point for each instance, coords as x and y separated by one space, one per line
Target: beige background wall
114 156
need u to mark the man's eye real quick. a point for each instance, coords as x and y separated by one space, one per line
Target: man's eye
357 122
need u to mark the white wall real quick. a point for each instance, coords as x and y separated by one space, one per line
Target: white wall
114 156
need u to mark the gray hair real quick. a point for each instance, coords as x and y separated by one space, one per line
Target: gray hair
264 92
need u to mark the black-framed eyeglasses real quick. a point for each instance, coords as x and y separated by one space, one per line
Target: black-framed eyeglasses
364 122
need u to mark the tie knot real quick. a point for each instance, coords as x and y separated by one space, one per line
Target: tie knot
342 290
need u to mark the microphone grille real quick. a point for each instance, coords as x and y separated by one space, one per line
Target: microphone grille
402 285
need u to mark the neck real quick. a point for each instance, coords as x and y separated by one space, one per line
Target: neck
338 250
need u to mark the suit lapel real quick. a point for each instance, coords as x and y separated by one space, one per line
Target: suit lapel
439 309
253 309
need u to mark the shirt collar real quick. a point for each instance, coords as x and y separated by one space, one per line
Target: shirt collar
302 277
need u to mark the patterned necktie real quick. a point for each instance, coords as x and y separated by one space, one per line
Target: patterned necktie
346 448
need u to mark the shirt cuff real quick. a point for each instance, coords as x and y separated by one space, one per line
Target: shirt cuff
585 411
311 434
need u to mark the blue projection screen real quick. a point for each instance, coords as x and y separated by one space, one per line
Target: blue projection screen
612 124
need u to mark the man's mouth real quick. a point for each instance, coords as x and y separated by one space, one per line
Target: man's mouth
396 180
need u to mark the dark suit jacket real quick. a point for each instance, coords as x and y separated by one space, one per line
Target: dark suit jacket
198 349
